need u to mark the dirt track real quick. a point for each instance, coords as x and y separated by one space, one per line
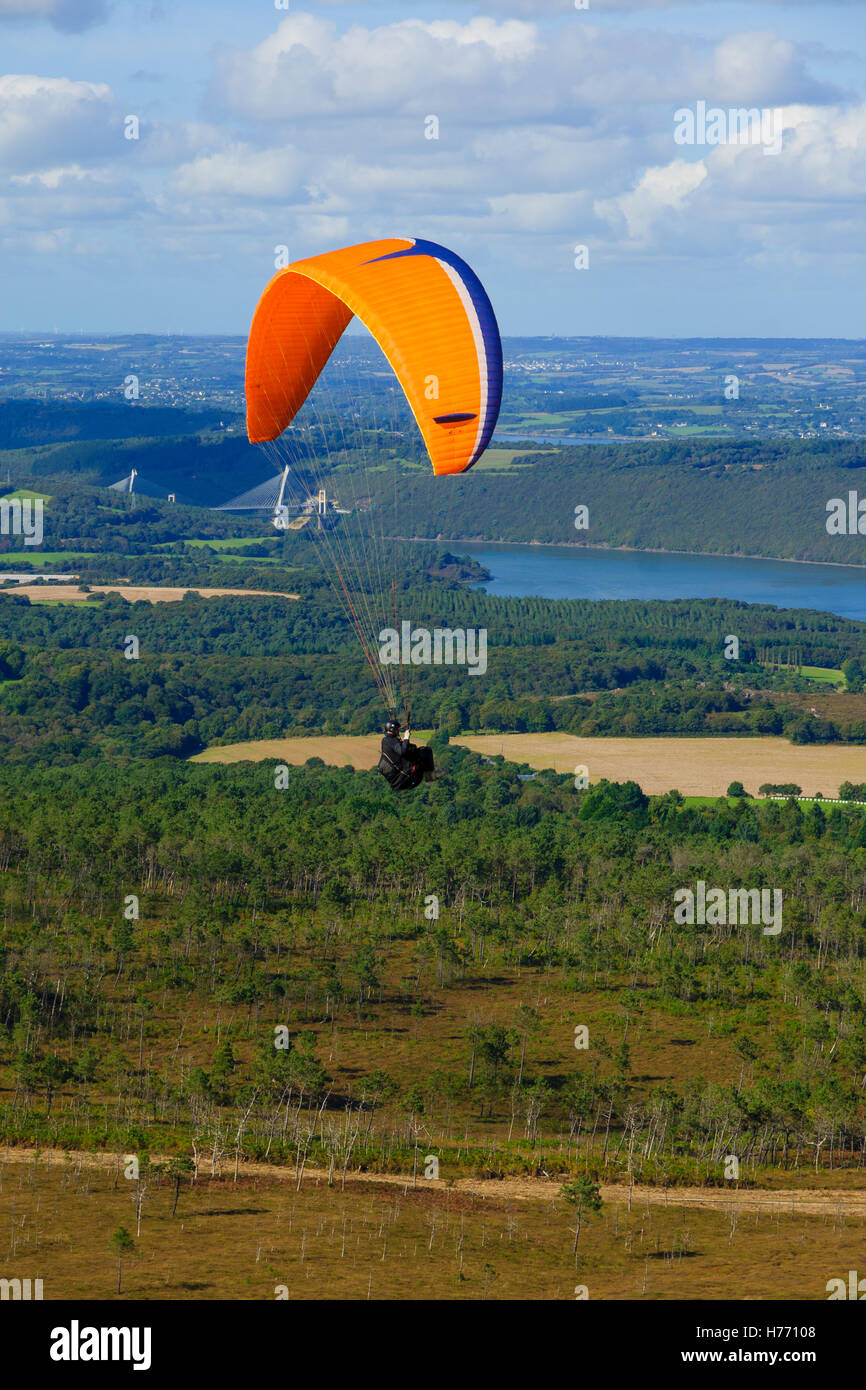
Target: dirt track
785 1201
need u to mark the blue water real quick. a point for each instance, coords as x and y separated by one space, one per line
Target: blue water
582 572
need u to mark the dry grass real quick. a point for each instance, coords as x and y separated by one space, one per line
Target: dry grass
149 593
694 766
842 706
337 752
244 1240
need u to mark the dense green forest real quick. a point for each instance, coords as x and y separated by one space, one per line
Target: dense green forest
159 922
739 498
26 423
213 671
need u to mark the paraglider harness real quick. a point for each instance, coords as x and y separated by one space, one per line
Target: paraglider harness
400 778
403 775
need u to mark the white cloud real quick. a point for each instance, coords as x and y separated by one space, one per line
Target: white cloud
543 131
239 171
550 135
488 71
44 120
54 197
802 202
822 166
174 143
764 63
540 212
658 191
828 151
308 68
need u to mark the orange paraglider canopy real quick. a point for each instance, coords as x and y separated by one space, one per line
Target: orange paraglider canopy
427 310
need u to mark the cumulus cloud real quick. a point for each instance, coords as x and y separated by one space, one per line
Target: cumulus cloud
69 211
239 171
540 212
658 191
71 193
821 168
804 204
550 135
45 120
487 70
71 16
765 63
171 144
308 68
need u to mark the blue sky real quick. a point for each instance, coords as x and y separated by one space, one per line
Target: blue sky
261 127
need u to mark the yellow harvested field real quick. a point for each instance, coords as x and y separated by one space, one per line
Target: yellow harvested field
149 593
694 766
337 752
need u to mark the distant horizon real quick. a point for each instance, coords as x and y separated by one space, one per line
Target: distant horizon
11 335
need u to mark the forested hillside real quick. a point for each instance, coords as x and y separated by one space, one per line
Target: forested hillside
738 498
213 670
309 908
29 423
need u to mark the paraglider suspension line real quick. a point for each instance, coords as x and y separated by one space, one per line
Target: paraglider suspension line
376 676
406 716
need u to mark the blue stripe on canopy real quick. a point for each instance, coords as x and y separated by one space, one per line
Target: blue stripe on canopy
486 319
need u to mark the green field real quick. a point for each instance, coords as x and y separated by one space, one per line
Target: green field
500 460
825 675
14 559
219 543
